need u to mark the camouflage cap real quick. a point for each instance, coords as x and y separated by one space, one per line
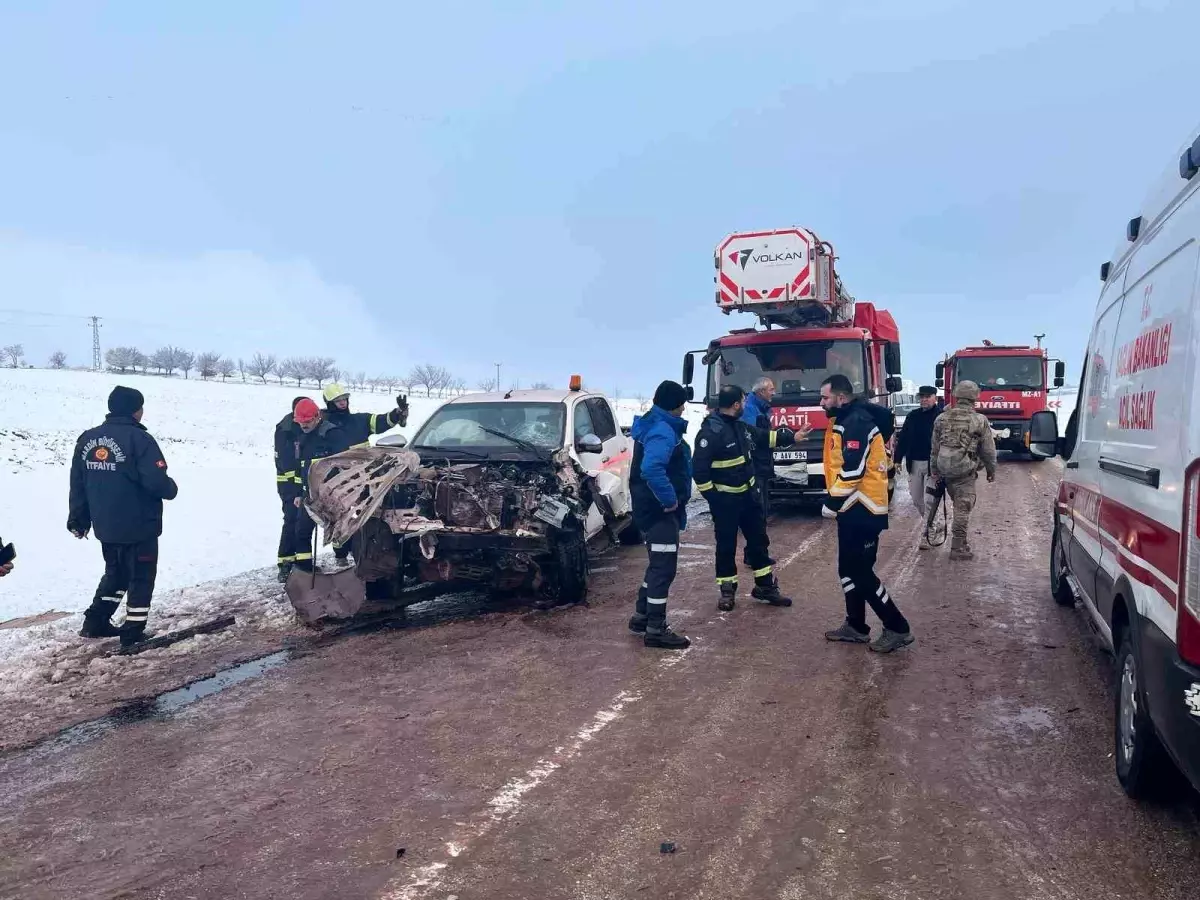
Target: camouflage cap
966 390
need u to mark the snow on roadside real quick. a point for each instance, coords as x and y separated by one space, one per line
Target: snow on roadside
34 658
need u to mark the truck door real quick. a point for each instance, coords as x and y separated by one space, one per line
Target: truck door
593 417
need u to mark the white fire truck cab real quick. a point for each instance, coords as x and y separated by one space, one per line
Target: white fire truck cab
1126 540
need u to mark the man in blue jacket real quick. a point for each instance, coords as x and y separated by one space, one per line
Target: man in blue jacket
660 485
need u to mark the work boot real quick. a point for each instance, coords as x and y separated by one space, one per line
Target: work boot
924 545
134 634
848 634
285 569
891 640
961 552
660 635
728 598
97 621
769 593
637 622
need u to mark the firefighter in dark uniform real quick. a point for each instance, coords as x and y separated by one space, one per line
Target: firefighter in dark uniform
724 474
357 428
119 481
660 485
318 439
287 483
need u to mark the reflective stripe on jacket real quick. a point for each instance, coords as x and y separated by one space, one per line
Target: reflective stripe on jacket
723 462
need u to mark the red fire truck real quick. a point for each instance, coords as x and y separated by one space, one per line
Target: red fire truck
808 328
1012 383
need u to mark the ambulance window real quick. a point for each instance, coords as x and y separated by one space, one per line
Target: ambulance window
1099 407
602 419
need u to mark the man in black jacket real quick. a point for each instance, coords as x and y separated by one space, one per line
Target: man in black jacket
357 428
119 481
916 439
318 438
287 482
724 473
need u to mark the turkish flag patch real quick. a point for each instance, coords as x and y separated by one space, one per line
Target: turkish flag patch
162 463
853 445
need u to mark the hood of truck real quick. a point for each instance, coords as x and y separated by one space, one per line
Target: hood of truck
1002 404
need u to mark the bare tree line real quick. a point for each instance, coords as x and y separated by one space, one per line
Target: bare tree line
267 367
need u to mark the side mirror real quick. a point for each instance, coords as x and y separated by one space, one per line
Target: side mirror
894 384
1043 434
589 443
939 383
1060 373
689 368
395 441
691 393
939 371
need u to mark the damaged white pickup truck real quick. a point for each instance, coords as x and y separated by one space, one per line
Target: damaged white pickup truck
503 492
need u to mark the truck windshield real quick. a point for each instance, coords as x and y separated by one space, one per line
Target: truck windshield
1009 372
797 369
463 425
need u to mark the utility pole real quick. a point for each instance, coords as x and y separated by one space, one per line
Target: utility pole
95 326
497 376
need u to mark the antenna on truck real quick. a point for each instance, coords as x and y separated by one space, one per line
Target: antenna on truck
1038 338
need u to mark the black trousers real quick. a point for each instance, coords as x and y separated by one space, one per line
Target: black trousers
287 537
762 484
129 572
662 548
732 513
305 528
858 547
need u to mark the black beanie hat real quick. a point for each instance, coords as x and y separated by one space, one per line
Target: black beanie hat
125 401
670 395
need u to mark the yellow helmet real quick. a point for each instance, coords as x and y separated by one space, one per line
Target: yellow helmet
333 391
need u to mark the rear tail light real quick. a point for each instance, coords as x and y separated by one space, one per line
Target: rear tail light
1187 625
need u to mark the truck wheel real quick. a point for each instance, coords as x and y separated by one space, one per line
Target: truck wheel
1141 761
570 578
1063 595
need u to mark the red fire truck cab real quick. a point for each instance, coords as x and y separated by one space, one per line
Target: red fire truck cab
1012 383
809 328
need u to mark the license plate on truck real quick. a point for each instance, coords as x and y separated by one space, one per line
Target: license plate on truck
786 456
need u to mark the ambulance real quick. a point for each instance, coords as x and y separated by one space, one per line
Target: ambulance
1126 539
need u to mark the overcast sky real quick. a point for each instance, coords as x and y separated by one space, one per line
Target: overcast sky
542 184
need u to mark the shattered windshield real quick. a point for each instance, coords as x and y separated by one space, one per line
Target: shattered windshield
1024 372
797 369
496 425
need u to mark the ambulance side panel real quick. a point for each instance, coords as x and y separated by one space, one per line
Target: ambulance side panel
1141 461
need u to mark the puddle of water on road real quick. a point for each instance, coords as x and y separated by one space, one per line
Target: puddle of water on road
150 708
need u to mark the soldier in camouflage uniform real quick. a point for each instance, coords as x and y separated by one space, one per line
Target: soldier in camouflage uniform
962 445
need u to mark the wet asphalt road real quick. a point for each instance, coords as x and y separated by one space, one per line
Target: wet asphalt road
549 755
